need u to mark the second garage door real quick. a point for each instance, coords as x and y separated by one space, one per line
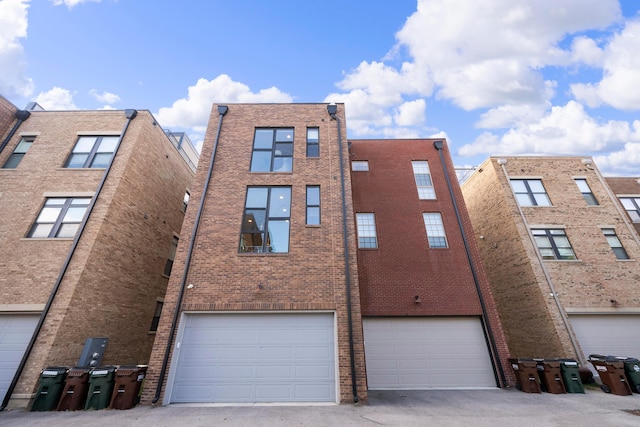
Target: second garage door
255 358
426 353
607 334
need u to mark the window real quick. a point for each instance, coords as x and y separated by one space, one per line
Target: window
360 166
313 205
632 206
59 217
172 255
185 201
313 142
265 225
92 152
553 244
423 180
614 242
366 224
21 149
530 192
156 317
435 230
272 150
586 192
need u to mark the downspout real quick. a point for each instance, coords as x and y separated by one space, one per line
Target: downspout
21 115
222 110
499 374
130 115
563 315
332 109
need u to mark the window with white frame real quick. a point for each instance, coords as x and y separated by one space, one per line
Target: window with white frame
632 206
435 230
422 176
553 244
366 226
530 192
92 152
360 165
18 153
60 217
614 242
586 191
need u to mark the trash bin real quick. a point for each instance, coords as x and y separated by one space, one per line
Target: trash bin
49 389
100 387
526 375
612 375
570 371
128 386
632 370
74 394
550 376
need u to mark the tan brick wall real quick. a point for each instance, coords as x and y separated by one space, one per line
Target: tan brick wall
310 277
7 117
625 186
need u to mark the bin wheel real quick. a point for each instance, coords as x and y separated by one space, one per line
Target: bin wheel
636 388
518 386
605 388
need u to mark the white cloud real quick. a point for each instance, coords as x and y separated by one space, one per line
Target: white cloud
586 51
13 65
619 85
411 113
56 99
194 111
106 97
621 162
71 3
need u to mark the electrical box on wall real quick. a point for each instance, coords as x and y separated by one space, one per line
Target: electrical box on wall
93 352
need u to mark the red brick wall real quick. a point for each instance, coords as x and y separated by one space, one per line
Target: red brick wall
625 186
7 117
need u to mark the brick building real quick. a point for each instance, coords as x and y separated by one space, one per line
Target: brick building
562 258
627 191
90 205
428 314
263 303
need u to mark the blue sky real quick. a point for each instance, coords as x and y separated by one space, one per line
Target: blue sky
495 77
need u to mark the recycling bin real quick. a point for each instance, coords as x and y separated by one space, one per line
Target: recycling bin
571 377
49 388
526 375
550 376
74 394
100 387
612 374
632 370
128 386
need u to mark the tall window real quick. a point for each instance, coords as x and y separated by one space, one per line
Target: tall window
366 225
614 242
272 150
360 165
435 230
92 152
60 217
185 201
632 206
586 192
422 175
172 255
530 192
553 244
156 317
265 225
313 205
313 142
21 149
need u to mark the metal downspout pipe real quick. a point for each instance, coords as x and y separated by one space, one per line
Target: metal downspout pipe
497 365
332 109
21 116
222 110
554 294
130 115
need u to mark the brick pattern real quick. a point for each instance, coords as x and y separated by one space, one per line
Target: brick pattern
7 117
310 277
115 275
629 186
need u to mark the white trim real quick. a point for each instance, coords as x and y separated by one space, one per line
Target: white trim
99 133
603 310
69 194
21 308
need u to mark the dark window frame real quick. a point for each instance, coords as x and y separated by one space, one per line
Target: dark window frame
313 144
586 191
276 142
172 256
14 159
93 154
533 200
634 202
553 251
64 204
155 321
250 228
311 206
615 244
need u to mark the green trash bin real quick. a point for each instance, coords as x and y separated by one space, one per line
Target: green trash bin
100 387
50 388
632 370
570 371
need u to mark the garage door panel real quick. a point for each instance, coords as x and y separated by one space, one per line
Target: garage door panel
15 333
617 335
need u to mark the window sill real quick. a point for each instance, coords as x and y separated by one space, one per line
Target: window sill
271 173
313 225
563 260
82 169
249 254
63 239
367 249
625 260
165 276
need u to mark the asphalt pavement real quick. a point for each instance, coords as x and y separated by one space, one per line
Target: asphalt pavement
474 408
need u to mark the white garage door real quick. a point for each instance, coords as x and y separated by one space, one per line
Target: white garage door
616 335
426 353
15 333
256 358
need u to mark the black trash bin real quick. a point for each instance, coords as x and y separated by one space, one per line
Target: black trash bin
75 390
100 387
570 371
612 375
526 375
128 386
50 388
632 370
550 376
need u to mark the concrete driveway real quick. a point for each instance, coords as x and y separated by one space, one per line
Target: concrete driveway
475 408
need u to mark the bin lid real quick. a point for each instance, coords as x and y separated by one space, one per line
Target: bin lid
52 371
